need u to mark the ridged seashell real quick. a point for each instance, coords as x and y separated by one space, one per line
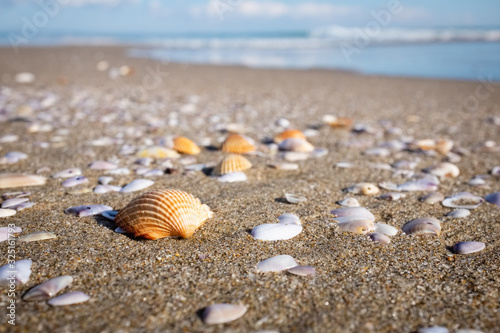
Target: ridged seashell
464 200
137 185
459 213
222 313
349 202
468 247
386 229
74 297
423 226
302 270
237 144
363 188
6 212
232 163
294 198
379 238
48 289
277 264
163 213
289 133
8 180
444 169
184 145
296 145
37 236
357 226
493 198
337 122
432 198
21 270
67 173
233 177
86 210
359 213
9 203
157 152
6 231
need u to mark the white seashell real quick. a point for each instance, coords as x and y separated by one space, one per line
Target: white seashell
345 165
23 205
432 198
24 77
495 171
423 227
414 185
75 181
6 212
102 165
357 226
21 270
295 145
11 195
468 247
294 199
86 210
353 212
119 171
434 329
36 236
319 152
222 313
67 173
459 213
477 181
276 231
392 196
289 218
285 166
48 289
379 238
9 203
380 166
137 185
349 202
6 231
385 229
463 200
363 188
233 177
104 180
379 152
444 169
110 214
154 173
9 138
74 297
302 270
100 189
294 156
277 264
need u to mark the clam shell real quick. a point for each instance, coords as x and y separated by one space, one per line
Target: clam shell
222 313
163 213
157 152
289 218
337 122
36 236
277 264
493 198
137 185
21 270
363 188
349 202
233 177
432 198
48 289
464 200
8 180
379 238
386 229
67 173
74 297
443 170
9 203
237 144
458 213
296 145
289 133
74 181
232 163
102 165
86 210
468 247
357 226
276 231
302 270
359 213
423 226
294 199
6 212
184 145
6 231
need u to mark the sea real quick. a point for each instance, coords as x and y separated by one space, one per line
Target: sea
459 53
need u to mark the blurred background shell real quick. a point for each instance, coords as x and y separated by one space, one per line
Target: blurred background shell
232 163
289 133
184 145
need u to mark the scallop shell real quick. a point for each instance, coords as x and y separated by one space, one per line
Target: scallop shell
289 133
423 226
184 145
237 144
296 145
232 163
8 180
163 213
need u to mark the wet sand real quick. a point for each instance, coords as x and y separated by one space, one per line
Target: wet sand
159 286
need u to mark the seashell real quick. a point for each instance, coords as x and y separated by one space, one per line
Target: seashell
405 165
118 171
232 163
425 144
79 191
8 180
74 297
294 156
379 152
75 181
296 145
363 188
294 199
458 213
302 270
276 231
468 330
120 230
137 185
337 122
198 167
379 238
24 77
37 236
289 218
104 180
86 210
6 212
163 213
222 313
493 198
100 189
21 270
11 195
289 133
154 173
357 226
233 177
237 144
360 213
102 165
67 173
385 229
380 166
411 186
468 247
478 180
443 146
6 231
423 226
23 205
48 289
495 171
9 203
444 169
432 198
277 264
110 214
285 166
463 200
392 196
9 138
344 165
184 145
157 152
319 152
13 157
433 329
349 202
282 122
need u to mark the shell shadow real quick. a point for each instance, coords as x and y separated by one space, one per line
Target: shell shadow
199 313
282 200
101 220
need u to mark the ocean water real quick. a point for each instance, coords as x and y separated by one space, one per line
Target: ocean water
462 53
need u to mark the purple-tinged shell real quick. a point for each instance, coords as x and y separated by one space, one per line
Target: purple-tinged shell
74 297
493 198
21 270
302 270
48 289
468 247
379 238
277 264
87 210
463 200
345 214
10 203
423 226
75 181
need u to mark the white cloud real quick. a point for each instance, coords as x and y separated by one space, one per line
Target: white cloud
300 10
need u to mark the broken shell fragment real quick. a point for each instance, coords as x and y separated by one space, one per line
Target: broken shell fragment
184 145
277 264
163 213
459 213
379 238
357 226
74 297
222 313
363 188
423 226
349 202
468 247
302 270
294 199
237 144
37 236
86 210
432 198
232 163
464 200
21 270
48 289
8 180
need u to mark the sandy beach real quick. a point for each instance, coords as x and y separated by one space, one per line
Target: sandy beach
161 285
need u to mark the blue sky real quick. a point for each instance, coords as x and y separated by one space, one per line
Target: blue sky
178 16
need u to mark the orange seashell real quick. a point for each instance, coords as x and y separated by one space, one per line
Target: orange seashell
289 133
232 163
237 144
163 213
338 122
185 146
